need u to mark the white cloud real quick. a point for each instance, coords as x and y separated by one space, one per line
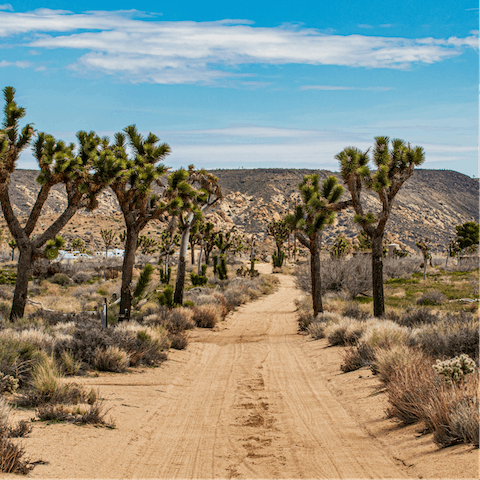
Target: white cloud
6 6
334 87
19 64
146 50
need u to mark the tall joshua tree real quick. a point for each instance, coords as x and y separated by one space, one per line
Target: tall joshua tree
394 165
132 180
59 164
190 194
317 210
279 230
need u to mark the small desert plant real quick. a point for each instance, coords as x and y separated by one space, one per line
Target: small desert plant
179 320
357 356
166 297
8 383
68 363
61 279
353 310
416 317
455 369
111 359
178 341
94 414
345 332
206 316
12 454
434 297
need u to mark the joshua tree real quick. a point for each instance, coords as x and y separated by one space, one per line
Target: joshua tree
208 235
341 246
317 210
394 167
190 194
423 246
13 245
147 245
78 244
467 236
132 180
109 238
279 230
59 164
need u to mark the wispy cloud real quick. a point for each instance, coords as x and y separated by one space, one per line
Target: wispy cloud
335 87
6 6
146 50
19 64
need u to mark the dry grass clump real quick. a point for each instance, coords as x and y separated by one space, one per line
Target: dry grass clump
111 359
344 332
450 336
33 336
180 319
433 297
416 317
353 310
178 341
206 316
358 356
94 414
304 312
384 334
12 454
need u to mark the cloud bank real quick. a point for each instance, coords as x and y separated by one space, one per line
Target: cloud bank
148 50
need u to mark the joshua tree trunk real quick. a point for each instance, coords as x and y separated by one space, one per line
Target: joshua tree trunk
21 286
127 271
315 249
377 276
180 282
200 256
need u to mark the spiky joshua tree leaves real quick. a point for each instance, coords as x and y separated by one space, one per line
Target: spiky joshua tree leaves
280 231
59 164
133 177
190 194
317 210
395 162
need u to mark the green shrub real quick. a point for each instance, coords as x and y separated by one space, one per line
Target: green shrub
198 280
8 276
166 297
61 279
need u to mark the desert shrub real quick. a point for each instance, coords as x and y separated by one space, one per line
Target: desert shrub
206 316
434 297
178 341
400 267
410 389
455 369
452 335
68 364
94 414
304 312
316 330
387 361
8 383
353 310
414 318
384 334
357 356
12 454
32 336
81 277
8 276
46 387
460 425
111 359
61 279
179 320
345 332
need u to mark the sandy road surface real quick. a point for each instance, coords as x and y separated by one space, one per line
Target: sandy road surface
245 401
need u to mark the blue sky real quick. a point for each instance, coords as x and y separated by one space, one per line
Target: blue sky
251 84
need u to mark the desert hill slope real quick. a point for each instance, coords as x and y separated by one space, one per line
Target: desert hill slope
429 204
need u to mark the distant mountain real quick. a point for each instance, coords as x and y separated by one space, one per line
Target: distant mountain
429 204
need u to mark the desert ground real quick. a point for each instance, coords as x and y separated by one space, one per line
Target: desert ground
249 399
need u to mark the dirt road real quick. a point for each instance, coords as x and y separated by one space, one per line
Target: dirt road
245 401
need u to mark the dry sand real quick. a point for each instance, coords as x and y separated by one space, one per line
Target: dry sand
250 399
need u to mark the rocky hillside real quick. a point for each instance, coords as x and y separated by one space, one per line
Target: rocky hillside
429 204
